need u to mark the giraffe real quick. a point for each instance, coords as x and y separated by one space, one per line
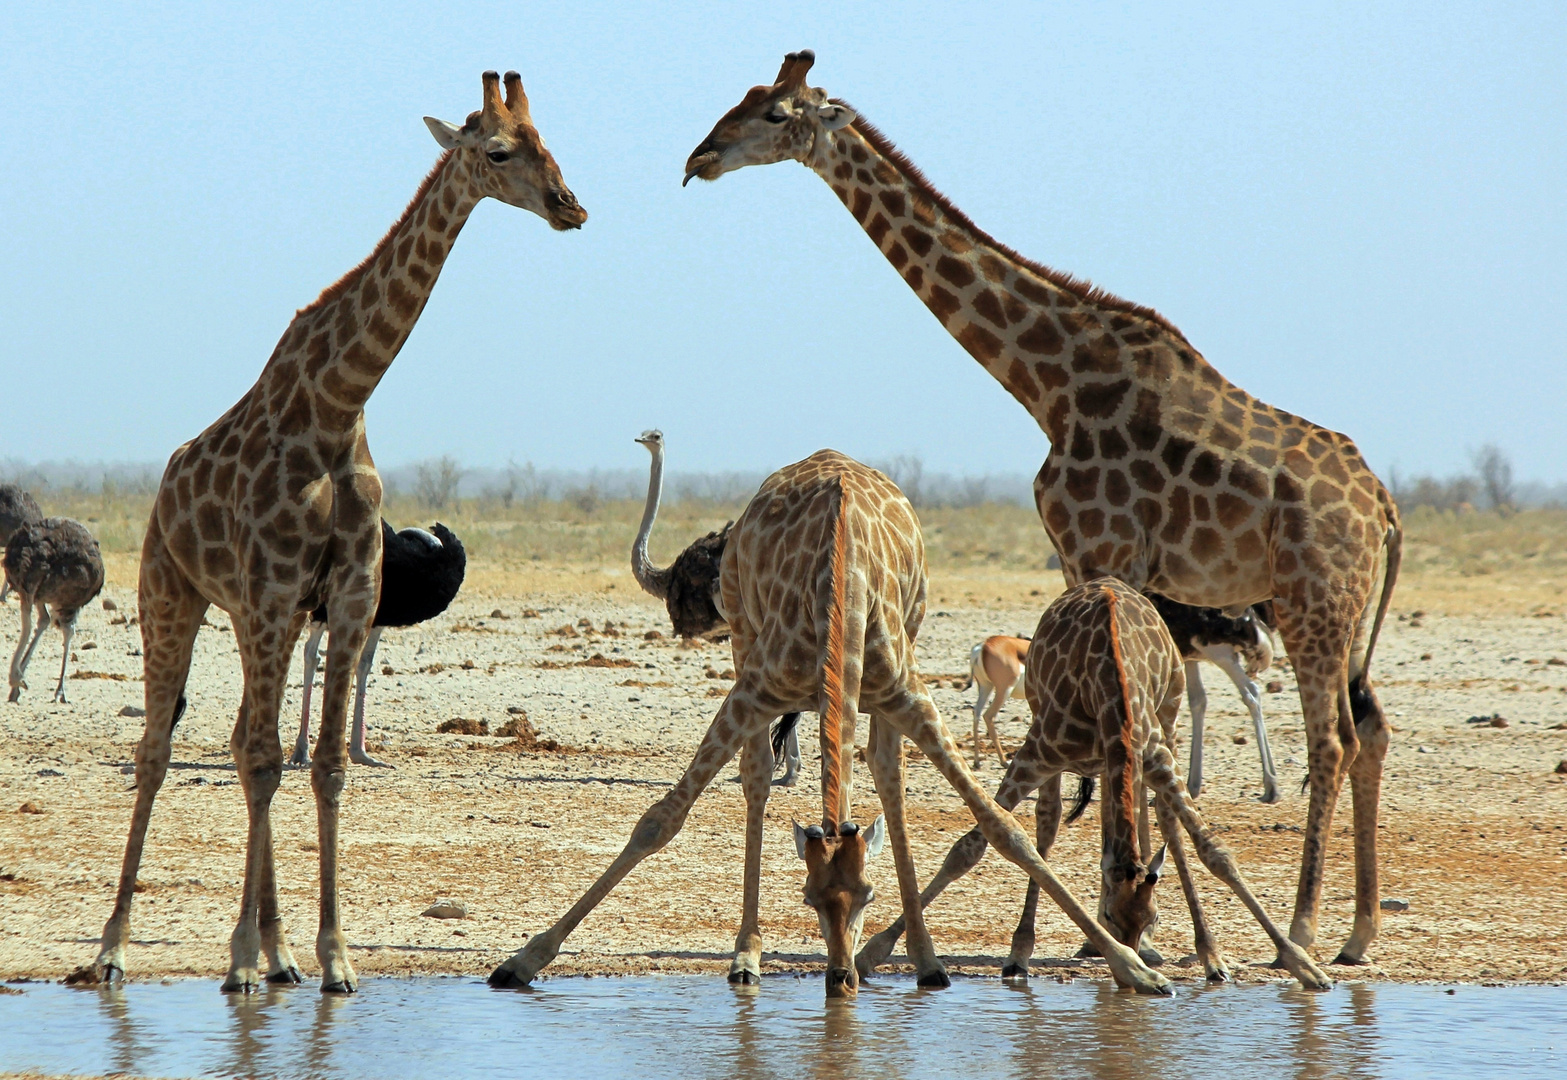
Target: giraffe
1104 682
823 581
275 509
1160 471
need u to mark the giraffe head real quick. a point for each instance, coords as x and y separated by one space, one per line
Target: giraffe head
508 158
836 886
780 122
1131 909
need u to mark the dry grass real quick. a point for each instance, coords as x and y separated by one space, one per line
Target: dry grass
1452 562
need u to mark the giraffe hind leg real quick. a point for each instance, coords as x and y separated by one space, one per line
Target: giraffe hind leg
756 772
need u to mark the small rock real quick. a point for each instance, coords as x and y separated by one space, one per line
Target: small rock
388 669
1561 767
1275 686
1416 624
468 665
29 807
499 614
110 605
1556 661
89 645
530 613
445 909
1498 721
1238 740
86 975
461 725
127 770
1389 904
517 710
50 772
1494 720
133 711
1425 656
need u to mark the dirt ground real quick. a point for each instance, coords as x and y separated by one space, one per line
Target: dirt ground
1473 832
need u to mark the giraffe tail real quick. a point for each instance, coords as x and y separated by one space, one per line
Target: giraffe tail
1361 701
1121 755
1080 801
839 705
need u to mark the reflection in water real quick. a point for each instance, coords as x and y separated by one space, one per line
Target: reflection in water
648 1028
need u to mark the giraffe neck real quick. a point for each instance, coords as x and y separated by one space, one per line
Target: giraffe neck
337 349
1043 335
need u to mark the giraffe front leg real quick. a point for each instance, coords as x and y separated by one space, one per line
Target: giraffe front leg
329 772
259 777
281 968
1214 967
1325 757
886 760
756 771
738 720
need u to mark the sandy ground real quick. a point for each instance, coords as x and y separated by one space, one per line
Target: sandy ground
1474 836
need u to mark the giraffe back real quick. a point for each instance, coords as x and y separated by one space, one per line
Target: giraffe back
777 578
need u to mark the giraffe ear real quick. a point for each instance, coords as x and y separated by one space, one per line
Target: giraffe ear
834 117
876 837
799 839
1157 866
448 135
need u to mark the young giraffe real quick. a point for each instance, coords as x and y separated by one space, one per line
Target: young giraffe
1102 668
1160 471
823 581
276 508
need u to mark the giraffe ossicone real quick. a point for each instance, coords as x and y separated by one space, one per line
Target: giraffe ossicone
275 509
1160 471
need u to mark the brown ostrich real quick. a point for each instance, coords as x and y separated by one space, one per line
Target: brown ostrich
17 508
54 565
689 588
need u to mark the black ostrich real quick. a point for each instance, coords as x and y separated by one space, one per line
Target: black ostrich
420 575
55 566
17 508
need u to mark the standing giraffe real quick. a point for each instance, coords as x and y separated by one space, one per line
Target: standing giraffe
275 509
1104 682
1160 471
823 582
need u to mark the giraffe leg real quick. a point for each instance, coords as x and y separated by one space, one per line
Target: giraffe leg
885 753
1160 774
1365 785
756 772
301 755
739 719
1331 740
170 612
1213 963
20 656
356 746
1197 699
1047 821
258 759
1021 778
919 720
67 632
346 635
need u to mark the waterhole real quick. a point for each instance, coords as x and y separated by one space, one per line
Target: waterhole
690 1027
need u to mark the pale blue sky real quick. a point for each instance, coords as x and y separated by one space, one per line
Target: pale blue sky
1357 212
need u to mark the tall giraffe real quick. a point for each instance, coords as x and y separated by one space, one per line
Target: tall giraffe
276 508
1160 471
1104 682
824 584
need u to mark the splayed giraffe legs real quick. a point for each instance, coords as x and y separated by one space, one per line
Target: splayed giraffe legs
917 718
1213 965
756 771
739 720
171 612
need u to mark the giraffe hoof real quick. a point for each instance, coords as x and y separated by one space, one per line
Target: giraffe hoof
1014 971
346 986
241 983
289 976
503 978
1346 960
937 979
743 978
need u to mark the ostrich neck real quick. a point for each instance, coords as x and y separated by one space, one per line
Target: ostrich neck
1044 336
645 572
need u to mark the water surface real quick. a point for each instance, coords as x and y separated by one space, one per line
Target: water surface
693 1027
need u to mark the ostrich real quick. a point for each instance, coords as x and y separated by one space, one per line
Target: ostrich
53 564
689 588
420 575
17 508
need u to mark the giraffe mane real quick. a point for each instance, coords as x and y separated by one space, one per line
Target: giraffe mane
1128 721
832 669
344 283
1081 288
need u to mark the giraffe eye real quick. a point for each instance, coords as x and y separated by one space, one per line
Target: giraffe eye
498 156
777 116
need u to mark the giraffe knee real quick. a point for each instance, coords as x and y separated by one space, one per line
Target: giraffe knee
264 777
